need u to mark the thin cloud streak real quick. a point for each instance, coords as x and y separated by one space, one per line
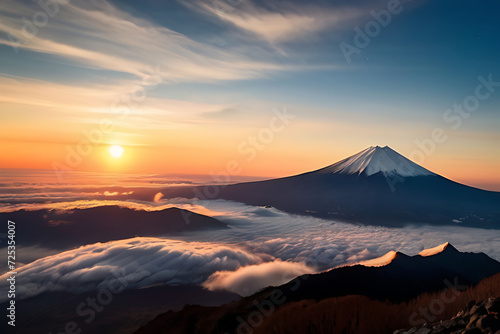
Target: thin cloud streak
280 25
76 102
115 40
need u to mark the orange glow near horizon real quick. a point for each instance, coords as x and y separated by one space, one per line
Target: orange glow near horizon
275 161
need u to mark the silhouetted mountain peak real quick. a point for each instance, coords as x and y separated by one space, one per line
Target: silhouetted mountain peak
443 248
384 260
380 261
398 257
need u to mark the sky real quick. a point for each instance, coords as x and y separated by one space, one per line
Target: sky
279 87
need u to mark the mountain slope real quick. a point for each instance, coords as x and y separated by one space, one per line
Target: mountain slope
402 279
377 186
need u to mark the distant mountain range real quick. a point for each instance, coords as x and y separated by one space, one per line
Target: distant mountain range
59 229
393 278
377 185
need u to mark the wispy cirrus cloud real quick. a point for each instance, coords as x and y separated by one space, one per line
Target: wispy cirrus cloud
280 23
99 98
99 35
83 104
59 97
91 56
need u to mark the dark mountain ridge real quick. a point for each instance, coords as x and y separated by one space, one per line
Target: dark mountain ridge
61 229
402 279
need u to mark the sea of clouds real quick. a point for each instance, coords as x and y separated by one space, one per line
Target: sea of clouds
263 247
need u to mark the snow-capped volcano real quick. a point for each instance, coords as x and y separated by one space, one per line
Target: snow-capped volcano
377 185
377 159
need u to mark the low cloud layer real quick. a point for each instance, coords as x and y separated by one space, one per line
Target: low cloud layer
154 260
248 280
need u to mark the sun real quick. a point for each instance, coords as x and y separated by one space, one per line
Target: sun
116 151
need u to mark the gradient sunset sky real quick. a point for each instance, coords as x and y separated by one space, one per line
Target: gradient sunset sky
183 84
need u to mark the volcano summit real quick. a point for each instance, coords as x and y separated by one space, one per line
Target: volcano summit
376 186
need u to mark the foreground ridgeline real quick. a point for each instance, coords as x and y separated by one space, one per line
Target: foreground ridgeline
383 295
